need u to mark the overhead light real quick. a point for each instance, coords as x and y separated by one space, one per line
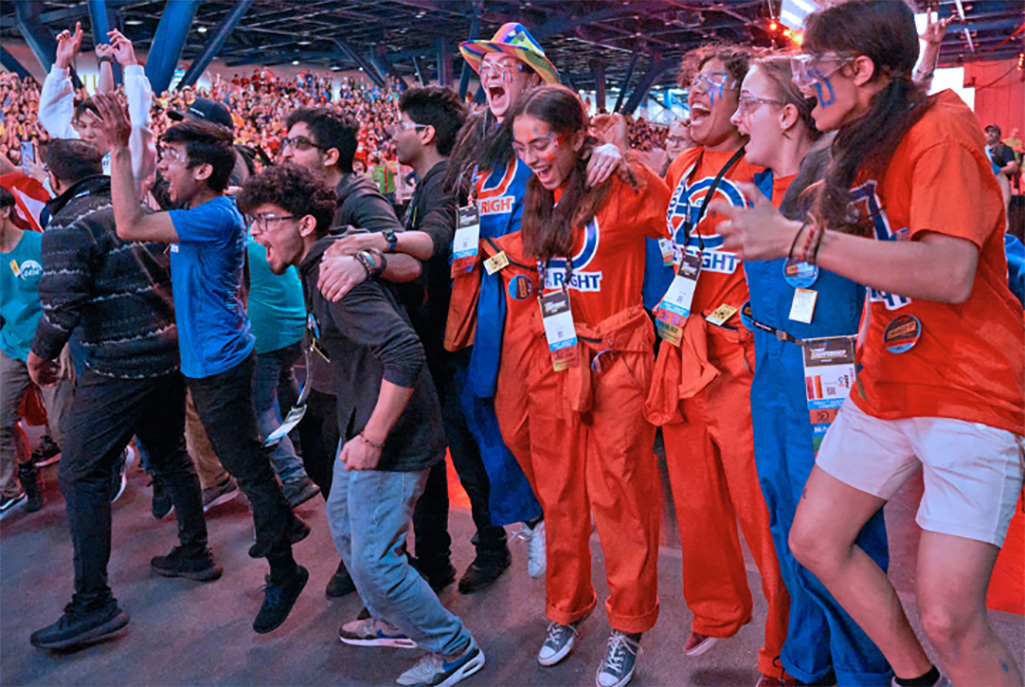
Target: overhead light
201 29
295 61
334 68
305 42
133 22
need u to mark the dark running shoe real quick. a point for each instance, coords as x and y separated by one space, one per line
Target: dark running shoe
32 482
47 453
278 599
300 491
220 493
78 627
175 564
162 505
7 504
483 572
340 583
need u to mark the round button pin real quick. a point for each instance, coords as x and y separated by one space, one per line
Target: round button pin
902 333
799 274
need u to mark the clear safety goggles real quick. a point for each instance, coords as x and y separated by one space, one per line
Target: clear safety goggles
809 68
703 81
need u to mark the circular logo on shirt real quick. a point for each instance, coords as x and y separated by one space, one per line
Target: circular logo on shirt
746 317
799 274
902 333
520 287
30 269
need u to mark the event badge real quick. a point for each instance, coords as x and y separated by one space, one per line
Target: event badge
721 315
799 274
829 375
496 262
467 240
666 247
15 268
803 307
559 329
902 333
674 308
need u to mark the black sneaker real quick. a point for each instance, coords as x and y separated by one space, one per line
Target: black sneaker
32 482
220 493
483 572
340 583
7 504
162 505
47 453
201 568
300 491
278 599
78 627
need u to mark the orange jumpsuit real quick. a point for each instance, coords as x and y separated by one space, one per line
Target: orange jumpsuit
590 446
701 398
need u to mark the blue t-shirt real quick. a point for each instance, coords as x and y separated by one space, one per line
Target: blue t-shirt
20 308
277 310
206 276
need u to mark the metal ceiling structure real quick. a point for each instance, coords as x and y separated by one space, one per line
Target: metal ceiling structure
628 44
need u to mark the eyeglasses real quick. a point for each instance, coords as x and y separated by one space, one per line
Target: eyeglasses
261 223
749 103
500 70
174 155
400 126
702 81
806 67
539 146
300 143
676 140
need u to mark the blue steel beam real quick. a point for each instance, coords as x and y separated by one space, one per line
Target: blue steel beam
444 63
599 84
655 70
384 66
36 33
168 42
421 70
100 24
626 82
464 76
214 43
368 68
11 63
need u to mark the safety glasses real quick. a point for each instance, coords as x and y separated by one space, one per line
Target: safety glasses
809 68
703 81
748 103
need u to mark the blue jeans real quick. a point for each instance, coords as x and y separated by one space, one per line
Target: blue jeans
274 377
369 513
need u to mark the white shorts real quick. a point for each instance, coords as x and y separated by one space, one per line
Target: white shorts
972 472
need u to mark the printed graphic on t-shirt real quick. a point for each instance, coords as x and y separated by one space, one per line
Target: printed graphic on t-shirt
496 198
686 202
865 206
582 279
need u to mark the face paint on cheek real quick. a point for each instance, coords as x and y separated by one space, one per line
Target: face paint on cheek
824 101
714 91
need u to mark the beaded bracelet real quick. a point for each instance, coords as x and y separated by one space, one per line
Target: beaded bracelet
371 444
381 259
364 259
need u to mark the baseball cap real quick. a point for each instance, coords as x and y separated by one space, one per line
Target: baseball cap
205 108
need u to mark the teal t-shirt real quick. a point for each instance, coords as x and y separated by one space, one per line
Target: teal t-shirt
19 295
277 312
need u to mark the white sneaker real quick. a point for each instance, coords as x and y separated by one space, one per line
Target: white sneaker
536 558
558 644
436 670
617 668
374 632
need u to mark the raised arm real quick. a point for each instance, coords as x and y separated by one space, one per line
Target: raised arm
57 97
139 94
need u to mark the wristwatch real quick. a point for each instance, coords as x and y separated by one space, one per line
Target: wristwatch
392 239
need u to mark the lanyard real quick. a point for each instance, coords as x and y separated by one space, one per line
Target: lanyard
687 224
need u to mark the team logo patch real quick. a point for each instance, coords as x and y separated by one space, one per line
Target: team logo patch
30 269
520 287
902 333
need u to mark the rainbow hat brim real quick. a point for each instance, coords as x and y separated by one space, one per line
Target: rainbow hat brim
514 40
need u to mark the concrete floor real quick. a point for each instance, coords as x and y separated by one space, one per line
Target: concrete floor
188 633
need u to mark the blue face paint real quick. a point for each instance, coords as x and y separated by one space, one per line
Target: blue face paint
822 79
714 91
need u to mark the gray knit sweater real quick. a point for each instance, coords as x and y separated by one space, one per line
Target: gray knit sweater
115 293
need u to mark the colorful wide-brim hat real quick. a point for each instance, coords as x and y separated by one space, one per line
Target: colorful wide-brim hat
512 39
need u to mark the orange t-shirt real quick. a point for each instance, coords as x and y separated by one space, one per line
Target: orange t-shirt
690 176
967 361
608 254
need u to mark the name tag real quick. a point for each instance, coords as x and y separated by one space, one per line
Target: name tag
829 376
559 329
466 242
674 308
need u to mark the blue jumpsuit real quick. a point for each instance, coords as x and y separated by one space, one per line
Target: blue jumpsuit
821 636
500 200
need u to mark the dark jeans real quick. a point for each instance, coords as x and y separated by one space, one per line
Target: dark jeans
274 378
430 518
225 406
105 414
318 434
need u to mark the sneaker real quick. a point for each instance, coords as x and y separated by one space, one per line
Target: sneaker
7 504
162 506
221 493
535 538
374 632
340 583
78 627
559 643
47 453
278 599
437 576
435 669
119 476
32 482
698 644
483 572
617 667
201 568
300 491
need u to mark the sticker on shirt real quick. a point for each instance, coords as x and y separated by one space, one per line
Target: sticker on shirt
829 375
521 287
802 309
674 308
902 333
721 315
559 329
496 262
466 242
800 274
665 246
